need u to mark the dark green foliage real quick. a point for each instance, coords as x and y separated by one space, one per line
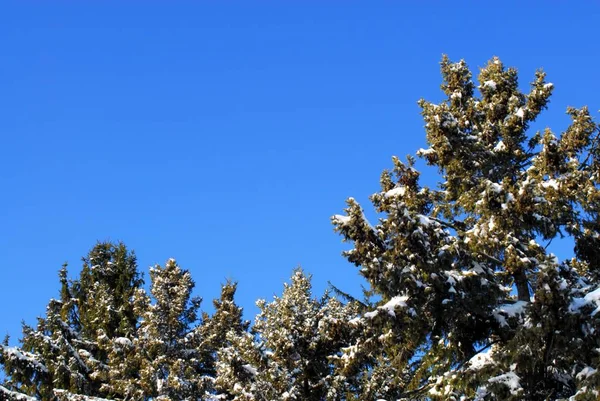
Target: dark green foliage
64 351
107 284
457 266
291 358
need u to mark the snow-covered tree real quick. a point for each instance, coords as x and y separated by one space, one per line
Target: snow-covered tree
108 281
67 350
48 354
166 342
473 303
288 355
227 321
106 338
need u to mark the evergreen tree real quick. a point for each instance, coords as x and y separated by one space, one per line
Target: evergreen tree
288 356
108 281
215 331
106 338
170 363
67 352
473 303
54 354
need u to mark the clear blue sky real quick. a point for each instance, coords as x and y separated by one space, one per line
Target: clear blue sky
225 134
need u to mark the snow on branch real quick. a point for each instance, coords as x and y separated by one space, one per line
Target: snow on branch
65 395
390 307
14 396
14 353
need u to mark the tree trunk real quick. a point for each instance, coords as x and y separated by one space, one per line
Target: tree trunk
522 285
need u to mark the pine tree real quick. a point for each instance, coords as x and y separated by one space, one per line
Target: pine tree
108 281
53 355
289 354
473 303
170 365
215 332
67 352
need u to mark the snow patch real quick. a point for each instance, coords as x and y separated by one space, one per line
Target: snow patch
13 395
424 220
425 152
500 147
490 84
250 369
585 373
398 191
393 303
495 187
591 298
551 184
123 341
15 353
481 360
520 113
390 306
340 219
509 310
509 379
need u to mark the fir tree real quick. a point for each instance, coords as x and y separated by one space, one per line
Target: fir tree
108 281
170 364
216 330
473 303
288 355
67 352
53 355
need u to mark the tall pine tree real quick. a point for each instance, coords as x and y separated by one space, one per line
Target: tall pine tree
289 354
171 366
67 350
473 303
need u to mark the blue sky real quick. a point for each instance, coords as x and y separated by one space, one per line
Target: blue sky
225 134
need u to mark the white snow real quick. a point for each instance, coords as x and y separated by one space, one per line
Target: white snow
424 220
123 341
398 191
16 353
591 298
68 396
512 310
425 152
390 306
481 359
250 369
585 373
520 113
341 219
13 395
490 84
509 310
494 186
393 303
551 183
509 379
500 146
